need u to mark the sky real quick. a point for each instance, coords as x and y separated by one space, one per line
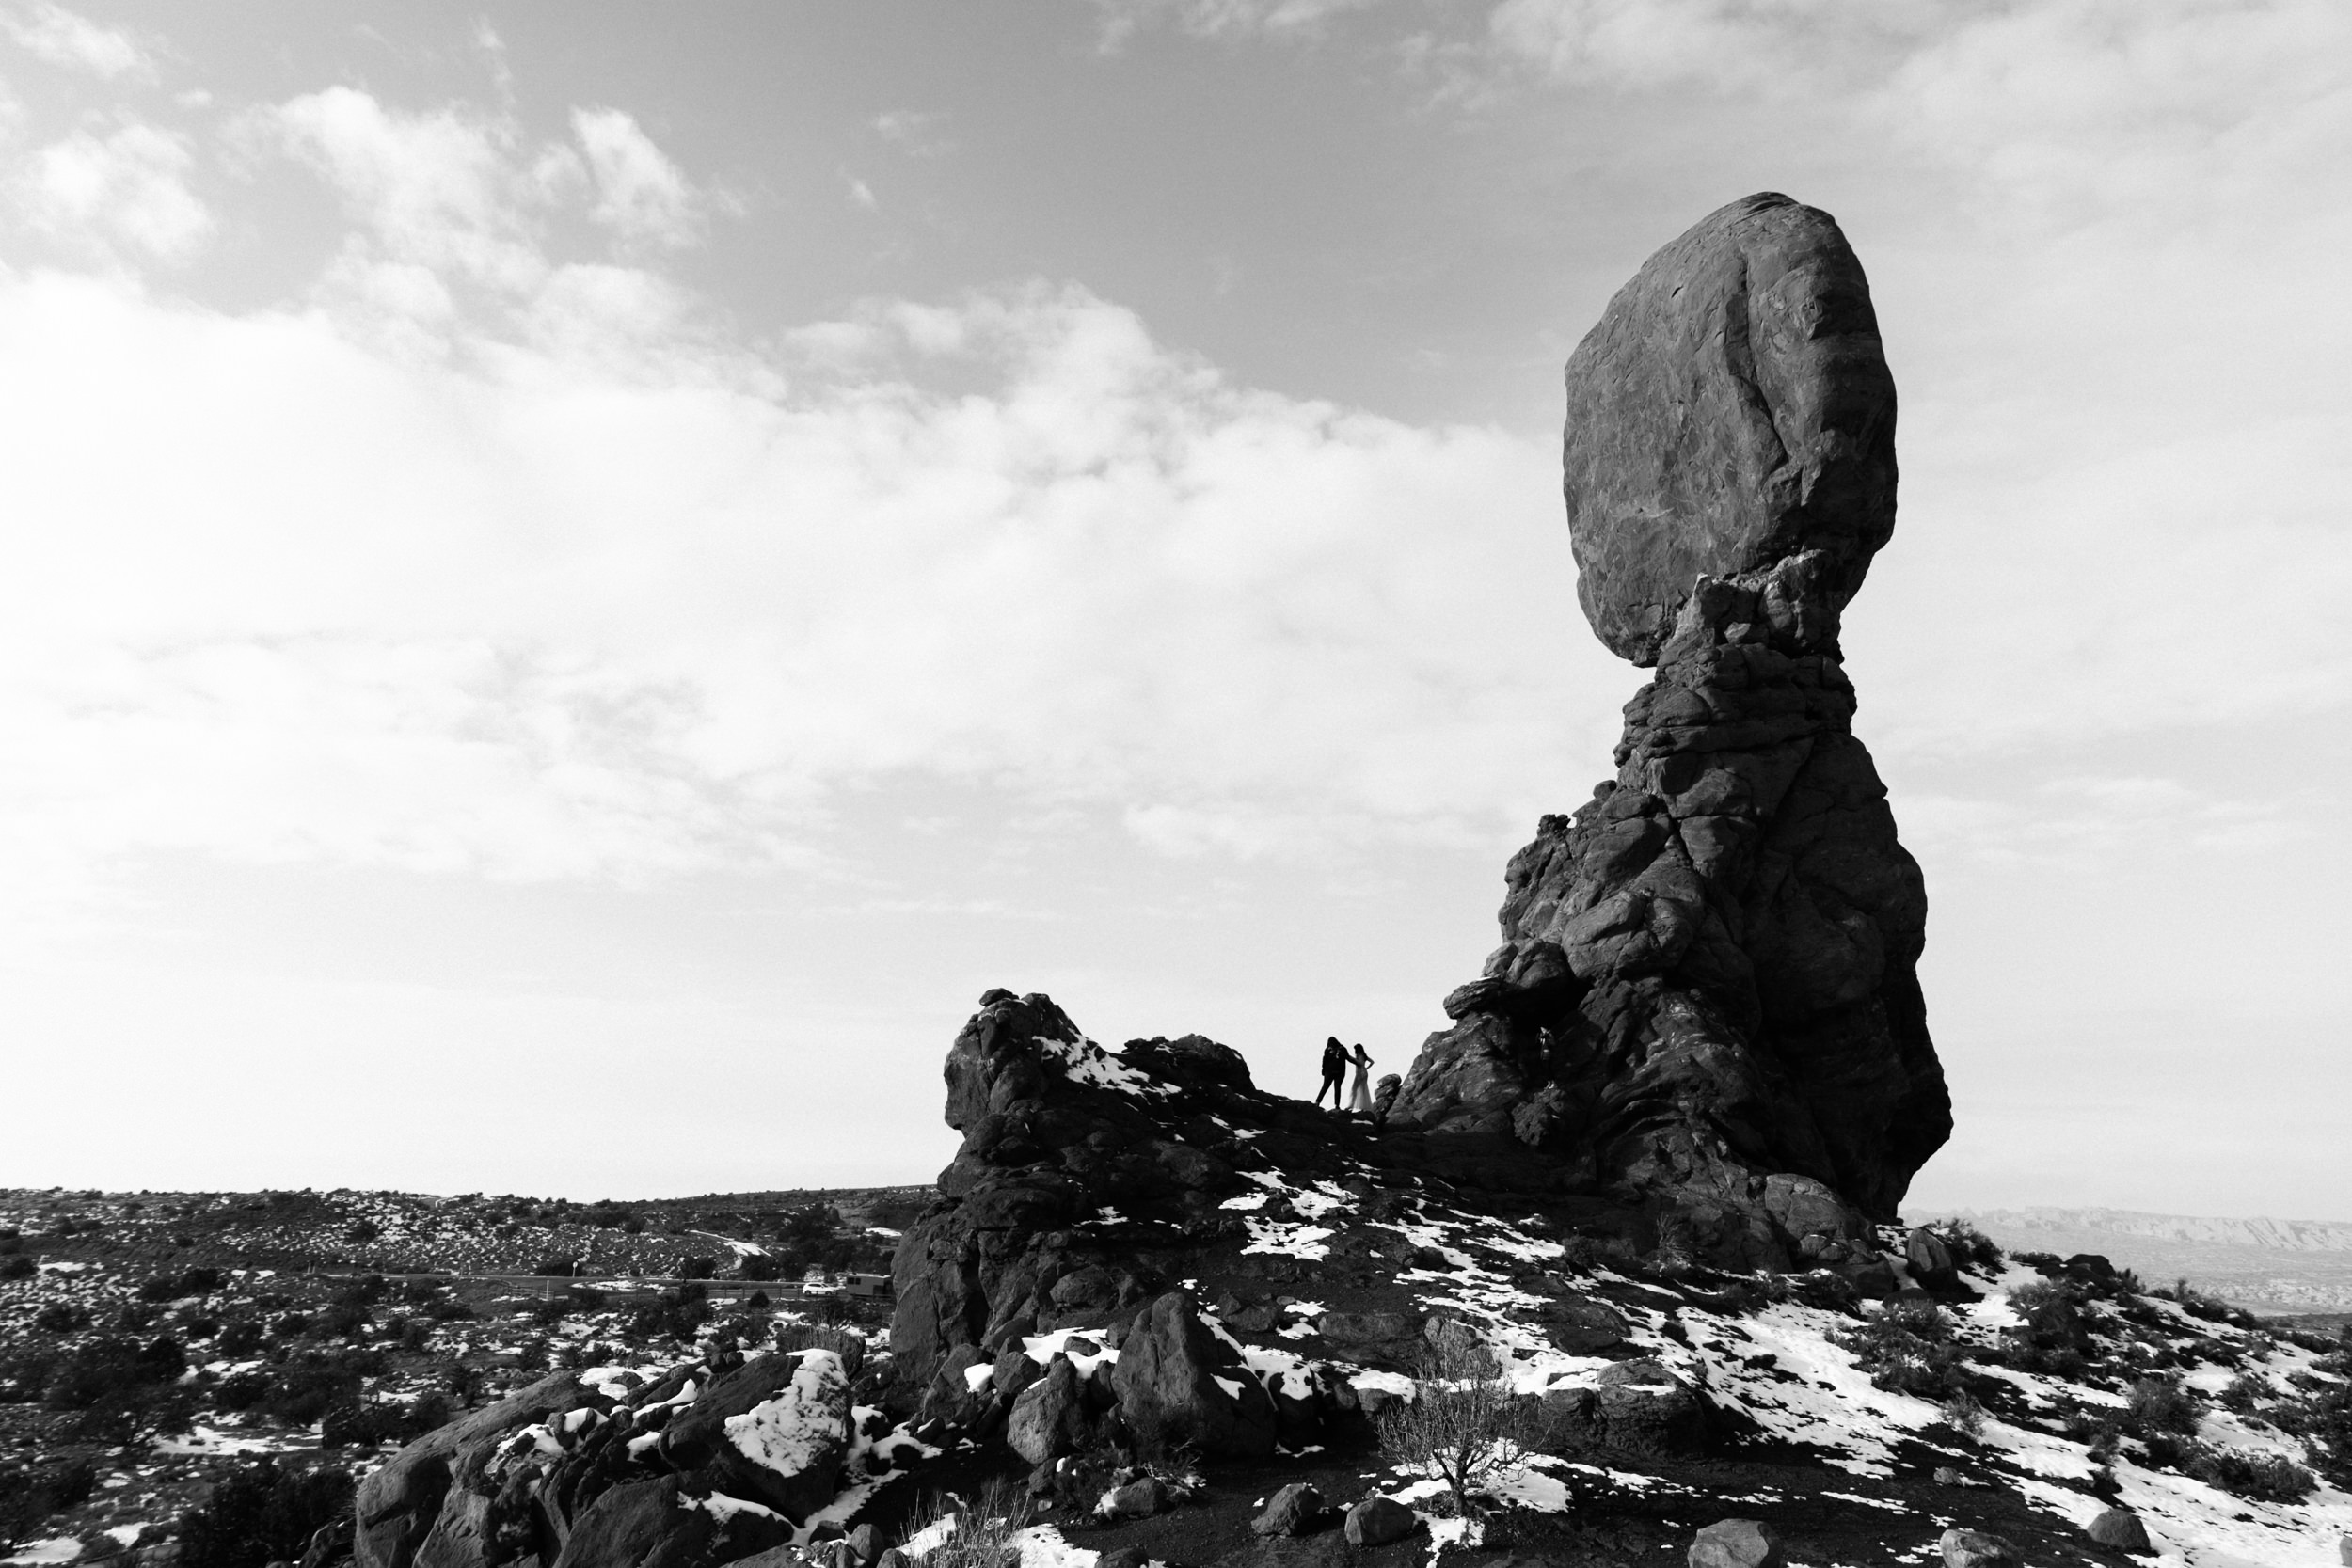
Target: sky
579 581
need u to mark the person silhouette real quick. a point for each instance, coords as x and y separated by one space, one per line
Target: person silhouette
1360 1102
1334 1073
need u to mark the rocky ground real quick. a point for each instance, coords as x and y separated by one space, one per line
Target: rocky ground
1145 1379
154 1344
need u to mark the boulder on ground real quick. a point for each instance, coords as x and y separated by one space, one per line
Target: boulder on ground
1930 1260
1138 1499
1969 1549
783 1450
1737 1543
1176 1377
1296 1509
1049 1420
1637 1407
1377 1521
397 1506
2120 1528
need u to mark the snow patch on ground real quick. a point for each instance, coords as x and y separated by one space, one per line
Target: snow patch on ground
1082 1061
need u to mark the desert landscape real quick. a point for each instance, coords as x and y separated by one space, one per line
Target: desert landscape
875 631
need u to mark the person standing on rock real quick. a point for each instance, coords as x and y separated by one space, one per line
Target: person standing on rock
1334 1071
1360 1102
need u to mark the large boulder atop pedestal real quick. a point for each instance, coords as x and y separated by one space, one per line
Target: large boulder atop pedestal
1731 409
1707 1000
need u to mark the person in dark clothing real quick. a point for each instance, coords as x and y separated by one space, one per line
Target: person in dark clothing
1335 1060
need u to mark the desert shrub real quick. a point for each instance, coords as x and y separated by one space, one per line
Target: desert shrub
1965 1415
291 1325
240 1337
584 1298
340 1321
137 1315
17 1266
699 1266
2161 1405
755 1265
448 1310
30 1494
364 1292
261 1514
102 1368
162 1288
61 1317
2321 1415
199 1325
2262 1477
201 1281
2044 1263
2054 1337
362 1425
978 1535
897 1211
1463 1423
548 1310
2197 1303
1969 1246
416 1333
1907 1348
556 1266
304 1389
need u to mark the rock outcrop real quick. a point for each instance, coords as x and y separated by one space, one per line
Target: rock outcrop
702 1467
1086 1184
1707 998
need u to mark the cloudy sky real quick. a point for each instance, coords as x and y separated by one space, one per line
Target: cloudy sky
580 580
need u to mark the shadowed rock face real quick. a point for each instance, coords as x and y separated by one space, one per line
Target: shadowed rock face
1707 992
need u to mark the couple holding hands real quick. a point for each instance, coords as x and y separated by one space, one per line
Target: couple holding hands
1336 1060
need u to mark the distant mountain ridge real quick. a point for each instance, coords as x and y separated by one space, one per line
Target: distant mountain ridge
2282 1235
2280 1266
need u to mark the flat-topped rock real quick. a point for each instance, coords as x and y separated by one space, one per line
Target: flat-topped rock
1731 410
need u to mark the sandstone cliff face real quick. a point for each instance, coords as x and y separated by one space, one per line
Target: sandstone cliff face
1708 993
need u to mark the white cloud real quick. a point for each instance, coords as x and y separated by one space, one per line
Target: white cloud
1222 18
573 608
126 189
914 132
641 197
58 37
446 190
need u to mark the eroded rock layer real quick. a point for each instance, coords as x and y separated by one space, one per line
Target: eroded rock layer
1708 993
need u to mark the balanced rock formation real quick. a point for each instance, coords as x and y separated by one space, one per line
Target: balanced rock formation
1707 998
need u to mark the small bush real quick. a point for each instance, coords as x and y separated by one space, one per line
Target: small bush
2262 1477
1969 1246
17 1266
241 1336
2161 1405
1463 1424
30 1495
260 1513
976 1535
361 1232
1965 1415
1907 1348
61 1317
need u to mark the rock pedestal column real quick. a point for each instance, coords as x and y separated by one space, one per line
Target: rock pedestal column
1706 996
